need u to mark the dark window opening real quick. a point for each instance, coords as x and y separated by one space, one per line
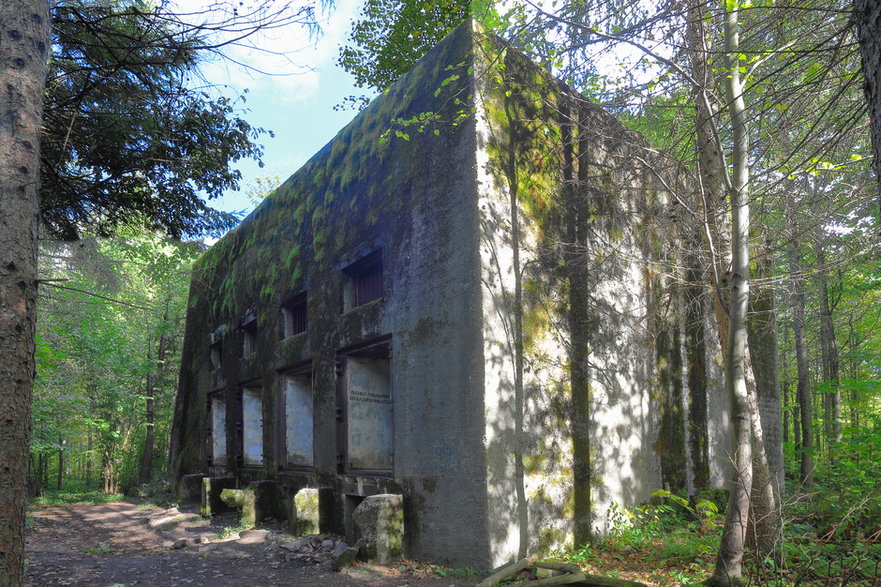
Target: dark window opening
294 315
249 337
363 281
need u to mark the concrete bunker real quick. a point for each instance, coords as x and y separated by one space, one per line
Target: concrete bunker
479 320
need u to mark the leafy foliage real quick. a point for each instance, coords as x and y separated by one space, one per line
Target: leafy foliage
74 492
128 135
107 307
392 35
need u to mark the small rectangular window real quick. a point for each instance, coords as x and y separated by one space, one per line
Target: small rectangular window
363 281
294 314
249 337
215 355
215 348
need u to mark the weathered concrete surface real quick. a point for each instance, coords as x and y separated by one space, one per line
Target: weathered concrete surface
252 428
299 418
212 487
305 515
218 431
514 376
380 523
243 500
256 502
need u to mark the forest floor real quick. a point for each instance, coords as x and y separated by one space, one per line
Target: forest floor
113 544
126 543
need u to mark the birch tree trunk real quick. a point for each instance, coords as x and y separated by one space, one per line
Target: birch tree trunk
713 178
24 45
729 562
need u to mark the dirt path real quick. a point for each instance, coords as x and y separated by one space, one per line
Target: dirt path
123 544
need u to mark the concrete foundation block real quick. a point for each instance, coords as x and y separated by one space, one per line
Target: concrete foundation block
305 514
245 501
212 487
256 502
379 521
189 488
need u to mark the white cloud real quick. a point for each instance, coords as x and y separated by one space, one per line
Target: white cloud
292 58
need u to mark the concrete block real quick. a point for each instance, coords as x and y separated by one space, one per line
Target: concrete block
244 501
379 520
256 502
305 516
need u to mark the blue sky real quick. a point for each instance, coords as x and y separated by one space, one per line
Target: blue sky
297 105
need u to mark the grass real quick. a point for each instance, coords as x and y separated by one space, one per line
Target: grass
675 543
660 544
102 548
75 494
230 531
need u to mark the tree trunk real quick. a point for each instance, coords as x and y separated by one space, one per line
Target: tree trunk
764 395
24 44
785 411
829 348
152 379
60 480
729 561
763 345
796 425
108 475
89 457
33 482
711 164
797 299
577 272
867 14
764 527
147 453
42 468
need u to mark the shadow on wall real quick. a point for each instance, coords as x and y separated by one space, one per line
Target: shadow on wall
572 276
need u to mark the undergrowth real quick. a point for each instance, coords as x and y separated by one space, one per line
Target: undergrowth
75 493
669 542
829 538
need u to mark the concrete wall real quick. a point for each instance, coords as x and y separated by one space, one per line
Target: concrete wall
521 267
414 201
586 392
